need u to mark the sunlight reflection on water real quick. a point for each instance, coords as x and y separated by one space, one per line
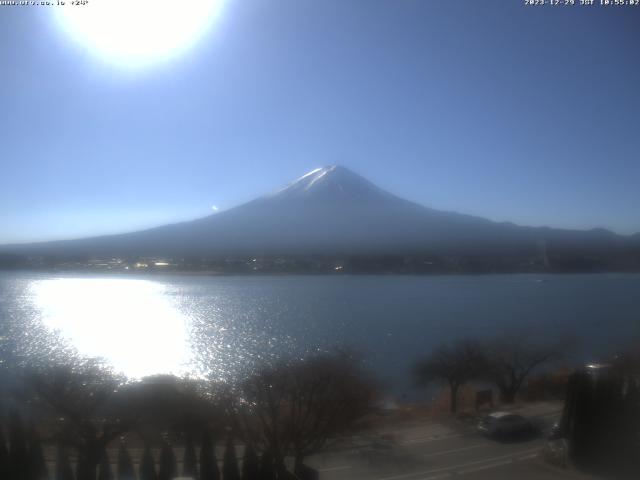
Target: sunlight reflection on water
129 322
226 326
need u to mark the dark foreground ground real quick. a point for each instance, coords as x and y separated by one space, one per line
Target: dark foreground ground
440 449
432 449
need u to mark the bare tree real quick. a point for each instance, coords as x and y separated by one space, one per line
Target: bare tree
454 365
166 404
327 397
80 393
511 359
300 407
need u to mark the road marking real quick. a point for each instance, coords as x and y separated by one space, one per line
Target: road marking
509 456
416 428
527 457
333 469
454 450
548 414
496 464
436 477
430 439
484 467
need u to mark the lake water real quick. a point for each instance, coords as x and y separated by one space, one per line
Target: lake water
176 323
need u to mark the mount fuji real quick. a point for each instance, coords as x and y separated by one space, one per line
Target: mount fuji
334 211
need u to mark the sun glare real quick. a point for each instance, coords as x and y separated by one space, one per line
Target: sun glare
130 323
137 32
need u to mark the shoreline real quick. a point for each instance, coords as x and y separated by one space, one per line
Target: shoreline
218 273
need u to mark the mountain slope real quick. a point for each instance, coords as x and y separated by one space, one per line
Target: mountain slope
332 210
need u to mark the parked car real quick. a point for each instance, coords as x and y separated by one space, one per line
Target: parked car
500 424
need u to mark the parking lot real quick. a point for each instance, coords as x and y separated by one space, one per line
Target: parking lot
435 449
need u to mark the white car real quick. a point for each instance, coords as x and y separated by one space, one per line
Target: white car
503 423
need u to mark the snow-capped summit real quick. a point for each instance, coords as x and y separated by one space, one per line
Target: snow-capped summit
332 210
333 181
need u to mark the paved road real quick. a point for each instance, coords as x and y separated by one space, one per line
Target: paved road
431 450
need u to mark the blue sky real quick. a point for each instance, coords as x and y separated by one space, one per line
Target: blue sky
515 113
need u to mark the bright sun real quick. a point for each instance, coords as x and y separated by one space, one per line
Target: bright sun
134 32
